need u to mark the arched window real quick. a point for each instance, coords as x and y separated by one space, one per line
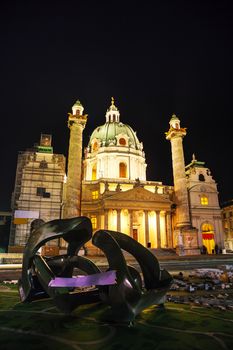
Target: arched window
122 141
93 174
204 200
201 177
95 146
122 169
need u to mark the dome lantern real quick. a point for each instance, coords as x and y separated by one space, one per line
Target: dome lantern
112 114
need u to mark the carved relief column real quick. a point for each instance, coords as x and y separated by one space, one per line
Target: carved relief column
105 219
146 227
158 229
119 220
76 123
176 134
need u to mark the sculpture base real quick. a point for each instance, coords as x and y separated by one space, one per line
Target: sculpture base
192 251
186 241
182 251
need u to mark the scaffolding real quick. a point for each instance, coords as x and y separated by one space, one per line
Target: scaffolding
38 192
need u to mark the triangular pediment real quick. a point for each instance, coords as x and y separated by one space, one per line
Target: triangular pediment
138 194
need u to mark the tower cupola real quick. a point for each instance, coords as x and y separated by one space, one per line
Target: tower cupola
174 122
112 114
77 108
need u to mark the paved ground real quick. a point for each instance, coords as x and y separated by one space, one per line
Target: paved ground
170 263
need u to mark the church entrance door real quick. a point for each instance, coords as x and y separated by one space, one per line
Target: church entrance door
208 237
135 234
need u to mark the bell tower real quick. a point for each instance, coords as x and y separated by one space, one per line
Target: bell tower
76 123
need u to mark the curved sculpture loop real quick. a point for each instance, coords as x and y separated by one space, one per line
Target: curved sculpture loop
121 287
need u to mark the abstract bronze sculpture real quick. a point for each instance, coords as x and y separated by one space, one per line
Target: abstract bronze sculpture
121 286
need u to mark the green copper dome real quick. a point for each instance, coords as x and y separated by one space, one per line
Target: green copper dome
114 133
107 134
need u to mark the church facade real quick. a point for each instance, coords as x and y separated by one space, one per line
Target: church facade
109 185
116 194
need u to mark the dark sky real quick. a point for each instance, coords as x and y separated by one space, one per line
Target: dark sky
155 57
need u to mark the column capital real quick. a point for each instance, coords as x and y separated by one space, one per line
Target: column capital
77 120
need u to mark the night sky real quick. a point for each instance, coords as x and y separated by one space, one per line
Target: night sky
155 57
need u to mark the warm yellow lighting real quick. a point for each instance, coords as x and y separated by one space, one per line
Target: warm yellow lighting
150 188
95 194
125 222
95 146
122 169
204 200
112 220
112 186
152 229
93 175
163 230
94 221
102 222
141 227
160 190
207 227
126 187
102 187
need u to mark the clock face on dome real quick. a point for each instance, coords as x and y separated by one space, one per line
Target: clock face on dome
45 140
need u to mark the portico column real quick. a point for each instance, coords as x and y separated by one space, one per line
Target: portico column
158 229
130 223
98 221
119 220
105 219
146 227
168 230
